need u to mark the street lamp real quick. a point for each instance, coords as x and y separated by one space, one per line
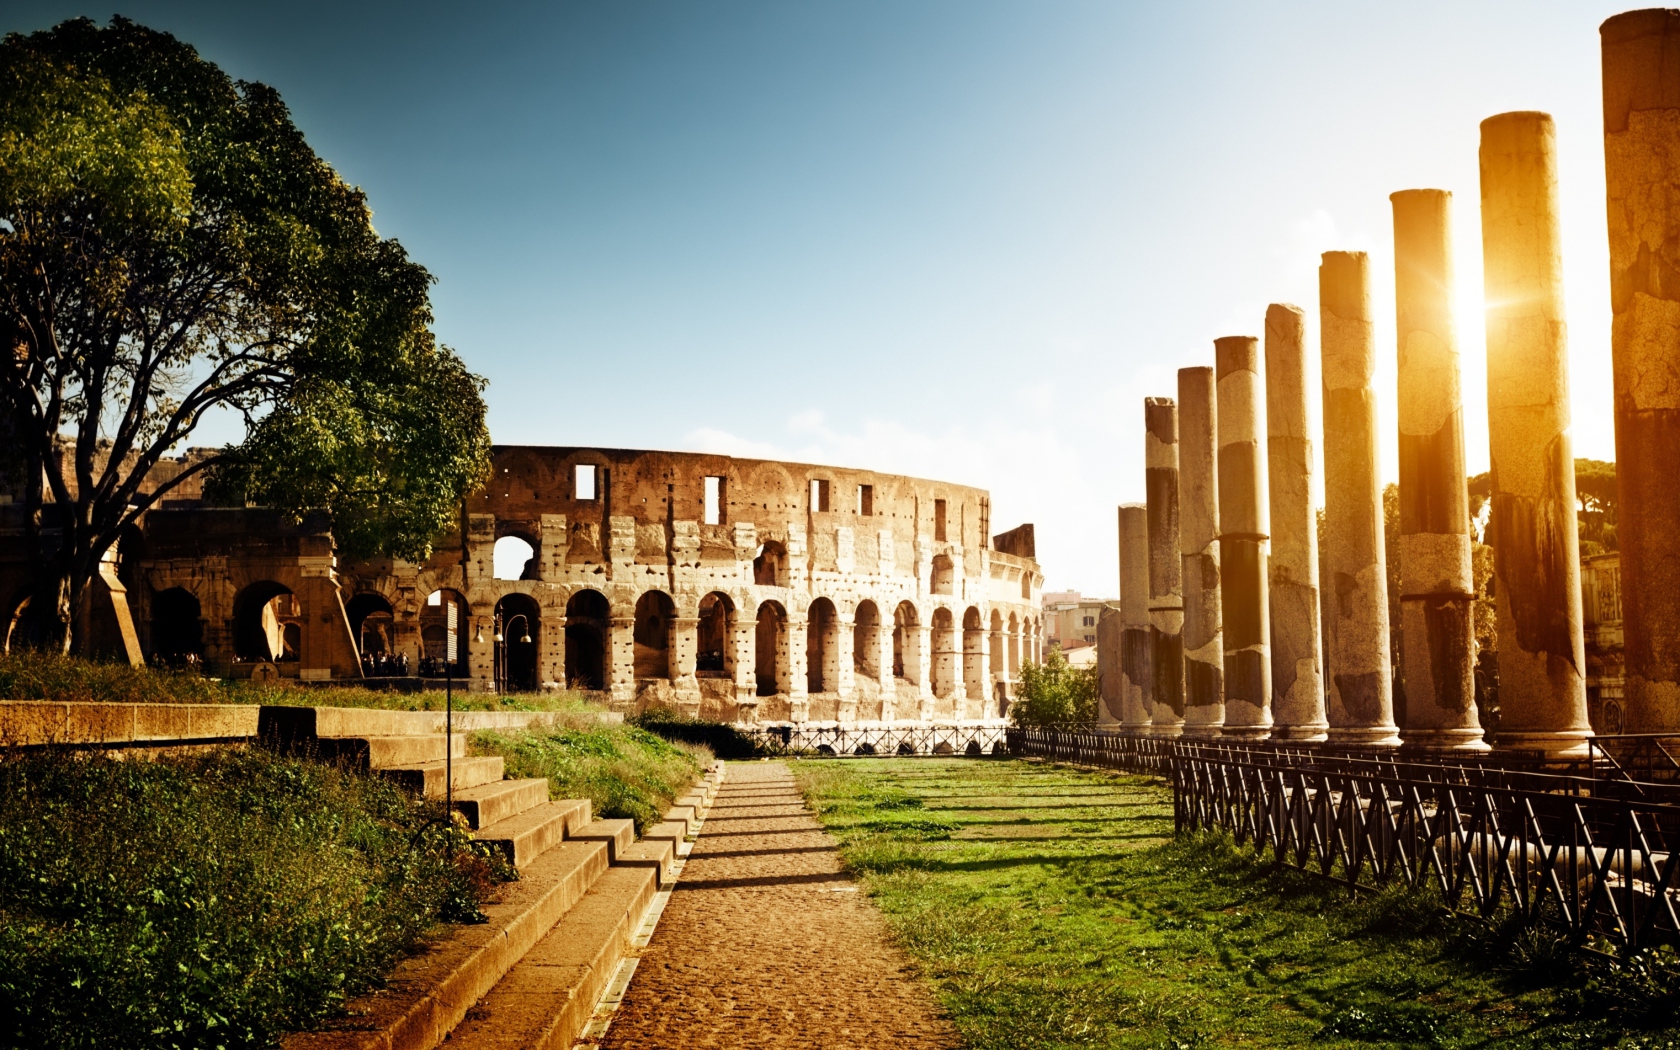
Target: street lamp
502 628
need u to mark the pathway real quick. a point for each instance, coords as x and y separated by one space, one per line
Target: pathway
767 943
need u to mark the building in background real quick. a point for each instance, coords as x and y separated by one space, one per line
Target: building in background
1070 619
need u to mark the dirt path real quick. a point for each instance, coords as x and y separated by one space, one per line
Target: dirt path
767 944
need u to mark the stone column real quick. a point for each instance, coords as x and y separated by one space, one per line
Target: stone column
621 661
794 683
844 671
1134 618
1198 539
744 641
1297 679
685 631
1536 552
924 671
1438 641
1244 521
1166 601
1360 694
1641 170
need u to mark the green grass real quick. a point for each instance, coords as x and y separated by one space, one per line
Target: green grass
1050 907
48 676
211 901
624 771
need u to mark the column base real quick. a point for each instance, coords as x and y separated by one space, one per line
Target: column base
1362 737
1171 731
1315 733
1562 743
1456 741
1135 728
1201 731
1247 734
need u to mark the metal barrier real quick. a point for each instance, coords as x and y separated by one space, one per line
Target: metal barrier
1568 848
959 739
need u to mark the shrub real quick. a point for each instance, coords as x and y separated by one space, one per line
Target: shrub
720 738
212 901
1055 693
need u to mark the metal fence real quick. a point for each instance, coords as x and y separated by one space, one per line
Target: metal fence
1581 849
972 740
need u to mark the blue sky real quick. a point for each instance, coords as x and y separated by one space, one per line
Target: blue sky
956 239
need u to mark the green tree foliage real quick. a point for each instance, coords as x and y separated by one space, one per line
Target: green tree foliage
1055 693
170 247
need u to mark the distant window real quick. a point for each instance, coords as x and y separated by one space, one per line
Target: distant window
866 500
1089 621
714 501
1090 638
583 481
938 519
819 495
513 558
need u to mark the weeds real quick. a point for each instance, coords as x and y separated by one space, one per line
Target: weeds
624 771
213 901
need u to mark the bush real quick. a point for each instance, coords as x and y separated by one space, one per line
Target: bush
623 770
720 738
213 901
1055 693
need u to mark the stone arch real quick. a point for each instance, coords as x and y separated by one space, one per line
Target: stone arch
267 624
944 578
372 624
770 666
655 619
714 638
435 634
866 640
770 565
973 654
588 616
177 628
945 653
1026 586
907 644
514 557
822 647
518 641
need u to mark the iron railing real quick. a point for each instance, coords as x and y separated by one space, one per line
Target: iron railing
970 739
1585 851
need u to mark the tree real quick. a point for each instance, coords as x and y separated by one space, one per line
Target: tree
171 247
1055 693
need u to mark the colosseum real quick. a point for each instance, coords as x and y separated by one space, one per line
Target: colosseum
737 589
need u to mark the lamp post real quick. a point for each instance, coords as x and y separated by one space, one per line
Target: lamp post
503 628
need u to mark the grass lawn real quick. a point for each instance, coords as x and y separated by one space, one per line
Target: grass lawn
1050 907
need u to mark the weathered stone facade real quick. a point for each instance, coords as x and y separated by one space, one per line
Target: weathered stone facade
733 588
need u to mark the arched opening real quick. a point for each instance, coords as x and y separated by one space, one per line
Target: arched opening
770 657
944 654
822 647
973 655
907 644
177 628
1026 586
442 618
654 613
267 624
714 655
866 641
374 628
1014 646
513 558
587 615
518 627
944 575
770 566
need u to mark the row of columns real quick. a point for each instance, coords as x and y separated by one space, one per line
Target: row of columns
1225 631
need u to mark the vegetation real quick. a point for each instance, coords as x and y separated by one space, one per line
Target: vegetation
171 247
33 675
1055 692
214 901
623 770
1049 907
722 739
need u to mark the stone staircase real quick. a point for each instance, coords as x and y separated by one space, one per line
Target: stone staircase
530 976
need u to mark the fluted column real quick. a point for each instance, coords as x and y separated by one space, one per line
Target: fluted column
1536 552
1166 602
1438 639
1641 171
1297 678
1360 697
1198 540
1134 617
1243 526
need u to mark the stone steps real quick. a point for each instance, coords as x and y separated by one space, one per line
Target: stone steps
427 778
487 804
525 836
